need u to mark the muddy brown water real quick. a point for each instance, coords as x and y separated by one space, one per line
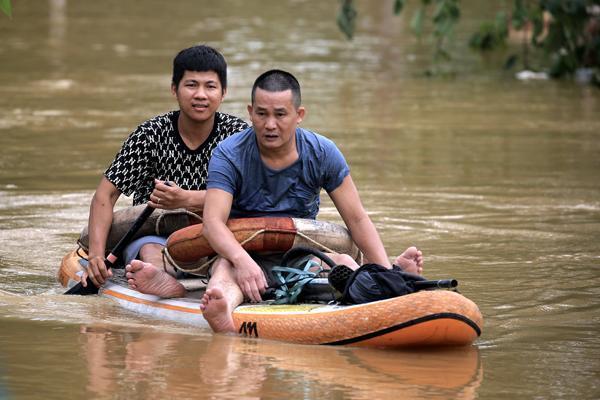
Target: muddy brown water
496 180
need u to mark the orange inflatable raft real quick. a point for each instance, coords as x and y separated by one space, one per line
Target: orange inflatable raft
423 319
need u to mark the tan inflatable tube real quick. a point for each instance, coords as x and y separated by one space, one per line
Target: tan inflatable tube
161 223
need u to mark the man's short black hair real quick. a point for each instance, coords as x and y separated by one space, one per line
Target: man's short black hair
276 80
199 58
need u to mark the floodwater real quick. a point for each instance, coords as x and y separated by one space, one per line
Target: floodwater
496 180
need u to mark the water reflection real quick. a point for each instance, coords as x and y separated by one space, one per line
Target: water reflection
159 365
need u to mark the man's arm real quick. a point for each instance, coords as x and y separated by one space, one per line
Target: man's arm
100 220
249 276
171 196
363 232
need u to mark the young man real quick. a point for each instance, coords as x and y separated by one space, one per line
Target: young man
174 148
277 168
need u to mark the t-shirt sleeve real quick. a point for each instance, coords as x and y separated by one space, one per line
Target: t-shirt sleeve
222 173
335 166
132 164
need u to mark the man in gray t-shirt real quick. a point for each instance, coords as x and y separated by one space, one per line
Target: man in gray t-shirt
236 167
275 157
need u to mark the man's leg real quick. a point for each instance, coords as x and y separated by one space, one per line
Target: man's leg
411 260
222 296
147 275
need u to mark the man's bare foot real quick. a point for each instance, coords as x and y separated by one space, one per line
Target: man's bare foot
411 261
216 311
148 279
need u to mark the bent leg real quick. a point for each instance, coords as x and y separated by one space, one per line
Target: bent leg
411 260
222 296
147 278
343 259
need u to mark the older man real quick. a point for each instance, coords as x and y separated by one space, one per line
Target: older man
276 168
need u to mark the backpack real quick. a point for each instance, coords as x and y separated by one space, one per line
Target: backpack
372 282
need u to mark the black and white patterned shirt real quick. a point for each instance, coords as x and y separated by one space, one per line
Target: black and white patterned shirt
156 150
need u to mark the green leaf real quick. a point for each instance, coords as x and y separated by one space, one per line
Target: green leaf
501 24
398 5
346 18
6 7
519 17
416 23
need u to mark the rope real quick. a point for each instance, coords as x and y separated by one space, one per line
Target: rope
204 267
168 212
298 277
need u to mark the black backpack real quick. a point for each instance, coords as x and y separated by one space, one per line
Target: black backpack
372 282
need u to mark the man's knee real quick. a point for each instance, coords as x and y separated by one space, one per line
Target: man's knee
150 251
343 259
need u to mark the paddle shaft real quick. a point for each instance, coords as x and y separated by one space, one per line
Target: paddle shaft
323 283
114 254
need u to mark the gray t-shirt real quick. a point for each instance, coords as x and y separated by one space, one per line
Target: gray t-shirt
257 190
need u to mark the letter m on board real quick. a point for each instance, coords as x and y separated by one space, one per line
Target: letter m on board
248 329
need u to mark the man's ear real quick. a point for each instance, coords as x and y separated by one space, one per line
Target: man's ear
250 110
301 113
173 89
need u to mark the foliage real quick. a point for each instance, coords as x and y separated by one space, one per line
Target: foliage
564 34
567 32
573 38
6 8
444 16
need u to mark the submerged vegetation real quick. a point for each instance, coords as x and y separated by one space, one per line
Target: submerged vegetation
558 37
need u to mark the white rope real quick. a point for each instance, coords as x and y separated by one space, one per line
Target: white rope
169 212
203 268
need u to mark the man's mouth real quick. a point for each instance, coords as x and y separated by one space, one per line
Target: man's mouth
200 106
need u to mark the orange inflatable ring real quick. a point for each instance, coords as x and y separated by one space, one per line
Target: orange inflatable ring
187 248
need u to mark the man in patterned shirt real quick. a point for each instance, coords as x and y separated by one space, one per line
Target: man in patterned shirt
174 147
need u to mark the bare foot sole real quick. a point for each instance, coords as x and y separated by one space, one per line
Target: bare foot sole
148 279
216 311
411 261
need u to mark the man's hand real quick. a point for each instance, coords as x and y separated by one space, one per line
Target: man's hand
97 272
167 195
251 279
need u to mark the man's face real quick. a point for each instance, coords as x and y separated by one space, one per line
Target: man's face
199 95
274 118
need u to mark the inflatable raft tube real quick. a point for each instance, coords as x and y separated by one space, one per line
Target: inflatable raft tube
187 248
422 319
161 222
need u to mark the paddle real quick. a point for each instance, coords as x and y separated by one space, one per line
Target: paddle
113 256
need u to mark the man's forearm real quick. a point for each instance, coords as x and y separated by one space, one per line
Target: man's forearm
224 243
195 200
367 239
99 224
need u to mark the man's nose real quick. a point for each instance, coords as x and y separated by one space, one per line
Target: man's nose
200 92
270 123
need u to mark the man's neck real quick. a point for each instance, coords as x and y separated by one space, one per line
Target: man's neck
278 159
194 133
